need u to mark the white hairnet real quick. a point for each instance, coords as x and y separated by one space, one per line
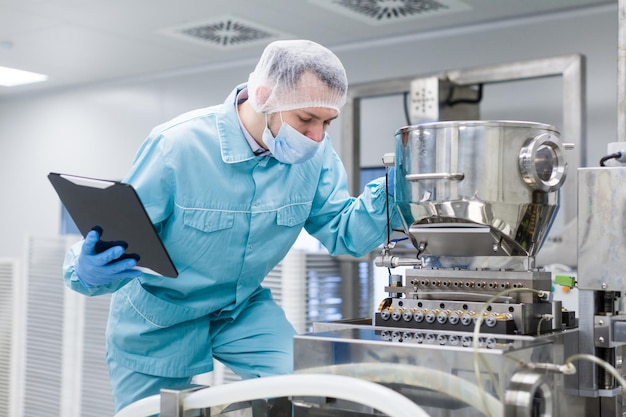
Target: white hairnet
295 74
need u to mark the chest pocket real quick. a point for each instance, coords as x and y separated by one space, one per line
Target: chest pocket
208 221
293 215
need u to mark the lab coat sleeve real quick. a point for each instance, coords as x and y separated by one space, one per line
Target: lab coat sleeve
345 224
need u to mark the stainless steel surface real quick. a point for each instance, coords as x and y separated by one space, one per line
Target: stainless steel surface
610 330
172 402
601 229
508 175
487 219
621 72
357 344
618 328
452 299
529 395
435 176
476 198
504 263
570 68
454 315
488 283
587 384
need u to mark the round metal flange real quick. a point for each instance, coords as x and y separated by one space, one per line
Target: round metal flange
542 163
528 395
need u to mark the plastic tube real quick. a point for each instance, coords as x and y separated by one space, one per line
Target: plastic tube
347 388
607 366
477 356
418 376
351 389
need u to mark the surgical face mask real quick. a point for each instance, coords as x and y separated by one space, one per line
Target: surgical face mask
289 146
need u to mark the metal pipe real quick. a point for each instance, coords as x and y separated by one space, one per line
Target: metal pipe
621 73
389 261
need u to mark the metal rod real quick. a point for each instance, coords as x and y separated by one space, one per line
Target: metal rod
621 73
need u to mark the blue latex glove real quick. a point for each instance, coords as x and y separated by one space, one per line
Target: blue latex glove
391 184
101 263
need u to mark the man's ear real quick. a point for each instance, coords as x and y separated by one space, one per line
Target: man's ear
263 93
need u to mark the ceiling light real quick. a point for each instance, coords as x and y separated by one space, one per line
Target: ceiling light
10 77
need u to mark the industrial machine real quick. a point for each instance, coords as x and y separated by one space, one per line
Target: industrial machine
469 326
469 308
476 200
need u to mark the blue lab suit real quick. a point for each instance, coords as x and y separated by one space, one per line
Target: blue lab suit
227 217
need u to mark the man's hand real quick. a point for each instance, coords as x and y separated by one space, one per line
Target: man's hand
101 262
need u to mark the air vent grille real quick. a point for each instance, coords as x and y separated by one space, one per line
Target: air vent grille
44 330
224 32
391 11
10 336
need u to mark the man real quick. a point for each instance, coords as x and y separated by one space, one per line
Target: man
229 189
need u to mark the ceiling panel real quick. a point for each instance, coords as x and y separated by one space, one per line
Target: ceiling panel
15 22
90 41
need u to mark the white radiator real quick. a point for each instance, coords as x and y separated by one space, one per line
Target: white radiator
43 343
64 370
11 337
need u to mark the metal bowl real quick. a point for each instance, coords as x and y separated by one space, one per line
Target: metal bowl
478 188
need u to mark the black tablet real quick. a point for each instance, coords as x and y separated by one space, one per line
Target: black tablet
117 209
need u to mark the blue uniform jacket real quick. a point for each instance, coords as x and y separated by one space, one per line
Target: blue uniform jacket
227 217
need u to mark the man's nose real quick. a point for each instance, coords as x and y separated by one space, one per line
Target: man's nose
316 133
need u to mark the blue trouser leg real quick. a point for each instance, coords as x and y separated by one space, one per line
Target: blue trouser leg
257 342
130 386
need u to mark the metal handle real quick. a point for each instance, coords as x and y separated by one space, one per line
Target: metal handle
456 176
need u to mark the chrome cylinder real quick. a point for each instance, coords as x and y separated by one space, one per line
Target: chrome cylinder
478 188
529 395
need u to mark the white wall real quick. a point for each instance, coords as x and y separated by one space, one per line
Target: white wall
95 131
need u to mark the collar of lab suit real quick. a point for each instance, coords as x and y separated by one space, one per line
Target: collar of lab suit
233 144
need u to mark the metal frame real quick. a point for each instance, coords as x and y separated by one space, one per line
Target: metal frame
570 67
172 400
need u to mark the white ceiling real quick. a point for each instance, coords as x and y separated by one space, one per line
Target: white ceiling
79 42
